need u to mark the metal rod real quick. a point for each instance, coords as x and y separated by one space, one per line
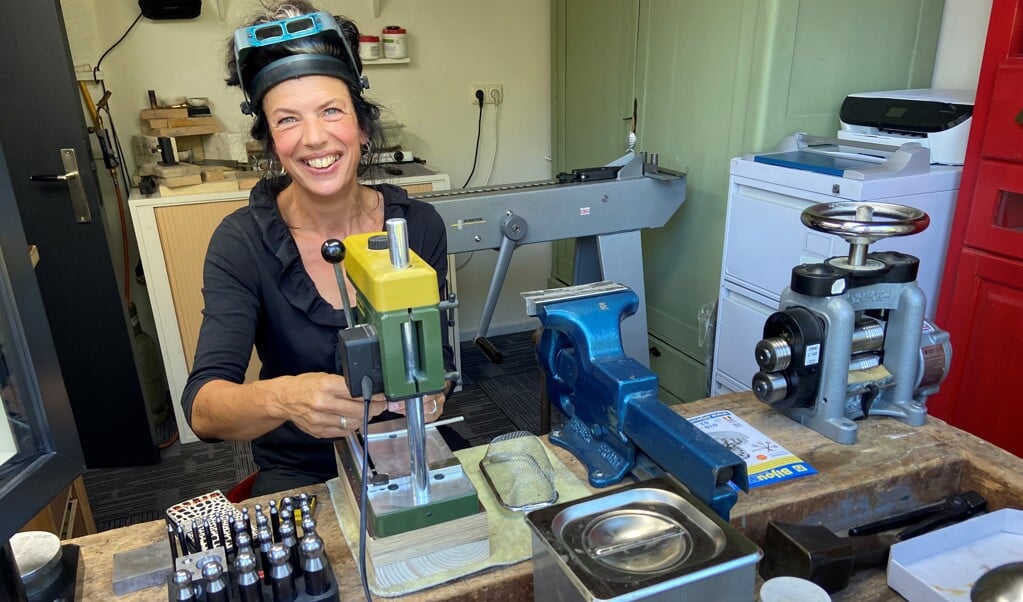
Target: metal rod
397 241
419 472
858 250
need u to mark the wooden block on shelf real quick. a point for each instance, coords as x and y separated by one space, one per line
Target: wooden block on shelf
245 179
170 171
177 113
212 174
204 188
190 130
179 181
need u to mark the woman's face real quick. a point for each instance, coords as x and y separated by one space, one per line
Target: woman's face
315 132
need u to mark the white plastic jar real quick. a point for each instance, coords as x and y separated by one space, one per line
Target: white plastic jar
394 42
369 47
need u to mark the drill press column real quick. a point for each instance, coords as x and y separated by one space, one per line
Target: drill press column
397 246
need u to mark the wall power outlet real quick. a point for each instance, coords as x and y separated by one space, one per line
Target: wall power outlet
493 94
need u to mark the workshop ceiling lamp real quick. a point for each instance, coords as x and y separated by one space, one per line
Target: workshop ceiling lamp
258 71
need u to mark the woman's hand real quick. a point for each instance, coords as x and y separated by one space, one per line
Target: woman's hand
321 404
433 406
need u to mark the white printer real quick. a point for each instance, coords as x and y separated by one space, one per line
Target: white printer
936 119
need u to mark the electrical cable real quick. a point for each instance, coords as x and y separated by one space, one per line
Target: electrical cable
497 140
95 70
367 395
479 130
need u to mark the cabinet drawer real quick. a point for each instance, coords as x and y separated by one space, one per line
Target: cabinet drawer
996 215
680 375
1003 136
764 239
741 317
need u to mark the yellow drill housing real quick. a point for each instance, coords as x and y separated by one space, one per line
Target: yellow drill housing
392 299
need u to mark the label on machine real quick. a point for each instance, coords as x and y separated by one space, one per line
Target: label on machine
766 461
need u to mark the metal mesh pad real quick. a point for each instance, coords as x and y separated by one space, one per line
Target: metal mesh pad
518 470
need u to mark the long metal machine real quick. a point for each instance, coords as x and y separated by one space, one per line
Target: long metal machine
604 208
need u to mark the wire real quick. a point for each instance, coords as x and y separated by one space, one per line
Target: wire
479 130
95 70
497 140
367 394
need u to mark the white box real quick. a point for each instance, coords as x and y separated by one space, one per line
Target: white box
943 565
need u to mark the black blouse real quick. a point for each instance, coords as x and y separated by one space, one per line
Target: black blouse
257 292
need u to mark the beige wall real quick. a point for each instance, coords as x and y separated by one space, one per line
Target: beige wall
961 44
453 45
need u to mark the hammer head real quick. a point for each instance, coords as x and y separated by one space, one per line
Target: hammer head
810 552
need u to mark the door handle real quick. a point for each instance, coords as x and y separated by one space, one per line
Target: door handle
79 202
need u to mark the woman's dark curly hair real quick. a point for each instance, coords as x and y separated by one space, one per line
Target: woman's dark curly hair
366 111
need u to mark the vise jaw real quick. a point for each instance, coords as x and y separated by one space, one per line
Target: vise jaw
614 419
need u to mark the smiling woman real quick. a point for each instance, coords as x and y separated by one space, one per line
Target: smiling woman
265 282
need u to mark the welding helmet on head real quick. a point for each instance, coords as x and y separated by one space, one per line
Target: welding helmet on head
258 70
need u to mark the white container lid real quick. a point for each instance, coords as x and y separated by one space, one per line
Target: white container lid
792 589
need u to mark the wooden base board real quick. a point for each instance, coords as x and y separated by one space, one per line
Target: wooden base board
423 552
205 187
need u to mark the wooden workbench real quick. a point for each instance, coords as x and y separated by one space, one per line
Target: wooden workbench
893 467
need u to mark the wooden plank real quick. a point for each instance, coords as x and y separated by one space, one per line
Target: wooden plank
196 130
190 121
179 181
180 113
225 186
424 551
169 171
158 123
212 175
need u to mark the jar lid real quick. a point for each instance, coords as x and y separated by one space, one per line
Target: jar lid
786 589
394 29
369 38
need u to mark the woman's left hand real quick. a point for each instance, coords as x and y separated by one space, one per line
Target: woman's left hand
433 406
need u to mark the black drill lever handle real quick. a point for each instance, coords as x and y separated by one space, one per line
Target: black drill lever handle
489 349
333 252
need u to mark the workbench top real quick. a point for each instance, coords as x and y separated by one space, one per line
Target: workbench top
893 467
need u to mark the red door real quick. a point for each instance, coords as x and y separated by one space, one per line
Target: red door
987 373
981 301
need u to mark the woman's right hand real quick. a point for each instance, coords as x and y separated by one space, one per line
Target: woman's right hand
321 404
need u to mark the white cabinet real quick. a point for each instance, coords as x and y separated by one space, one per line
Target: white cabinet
765 239
173 233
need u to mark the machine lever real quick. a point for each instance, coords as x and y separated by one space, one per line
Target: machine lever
513 229
489 349
333 252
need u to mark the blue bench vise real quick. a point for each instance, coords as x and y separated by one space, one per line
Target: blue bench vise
615 422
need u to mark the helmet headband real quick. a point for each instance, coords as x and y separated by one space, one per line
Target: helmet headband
248 39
